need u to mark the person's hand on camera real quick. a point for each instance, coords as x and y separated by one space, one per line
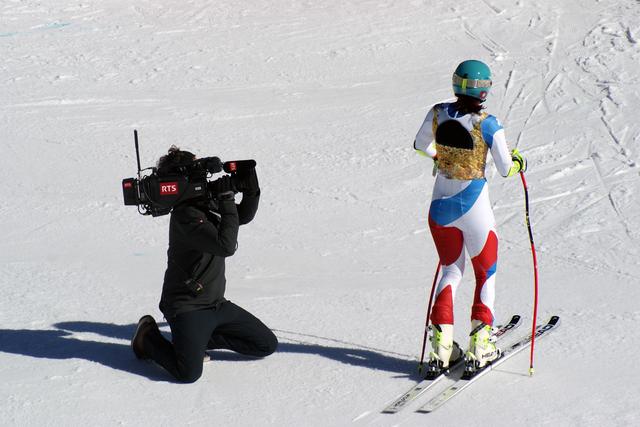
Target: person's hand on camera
247 182
222 188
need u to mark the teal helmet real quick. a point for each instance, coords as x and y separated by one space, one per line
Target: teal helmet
472 78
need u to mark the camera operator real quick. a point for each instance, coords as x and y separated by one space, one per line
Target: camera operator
202 233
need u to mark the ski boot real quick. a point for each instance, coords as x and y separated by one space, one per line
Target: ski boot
445 351
482 348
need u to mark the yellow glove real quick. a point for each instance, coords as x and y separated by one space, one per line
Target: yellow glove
519 163
434 158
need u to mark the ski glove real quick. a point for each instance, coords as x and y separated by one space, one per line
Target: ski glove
247 182
222 188
431 152
519 163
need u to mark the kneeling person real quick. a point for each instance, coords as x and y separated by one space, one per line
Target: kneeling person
202 234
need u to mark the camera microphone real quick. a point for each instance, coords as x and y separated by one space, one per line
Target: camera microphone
238 166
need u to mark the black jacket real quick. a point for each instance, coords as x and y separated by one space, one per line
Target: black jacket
201 236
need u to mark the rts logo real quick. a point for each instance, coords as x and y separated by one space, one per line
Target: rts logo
168 188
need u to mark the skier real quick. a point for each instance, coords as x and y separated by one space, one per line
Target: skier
457 136
201 235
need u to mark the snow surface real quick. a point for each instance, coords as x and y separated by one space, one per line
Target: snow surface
327 97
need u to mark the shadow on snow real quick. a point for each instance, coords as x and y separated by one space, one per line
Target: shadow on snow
60 343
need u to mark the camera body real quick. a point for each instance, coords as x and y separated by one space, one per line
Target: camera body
159 191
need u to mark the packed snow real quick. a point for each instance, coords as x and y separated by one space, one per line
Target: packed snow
327 97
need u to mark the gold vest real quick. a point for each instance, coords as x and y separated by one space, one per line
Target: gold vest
461 163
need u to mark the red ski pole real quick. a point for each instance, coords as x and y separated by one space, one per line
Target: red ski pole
426 323
535 272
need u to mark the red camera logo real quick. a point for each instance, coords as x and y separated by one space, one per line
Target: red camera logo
168 188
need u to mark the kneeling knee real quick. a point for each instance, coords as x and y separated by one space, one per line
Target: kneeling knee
189 376
271 345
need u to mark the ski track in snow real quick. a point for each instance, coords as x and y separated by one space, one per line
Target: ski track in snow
327 97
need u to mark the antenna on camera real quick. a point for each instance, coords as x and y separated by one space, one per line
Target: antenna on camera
135 138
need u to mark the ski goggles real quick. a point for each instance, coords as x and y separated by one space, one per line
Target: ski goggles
470 83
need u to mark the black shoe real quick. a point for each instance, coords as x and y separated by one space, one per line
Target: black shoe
146 325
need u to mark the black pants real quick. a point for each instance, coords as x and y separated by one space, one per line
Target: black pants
227 327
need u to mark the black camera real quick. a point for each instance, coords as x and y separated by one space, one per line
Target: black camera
157 192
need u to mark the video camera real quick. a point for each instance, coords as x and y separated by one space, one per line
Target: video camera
159 191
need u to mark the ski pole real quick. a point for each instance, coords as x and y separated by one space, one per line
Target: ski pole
535 271
426 323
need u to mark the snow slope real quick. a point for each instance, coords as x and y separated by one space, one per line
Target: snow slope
327 97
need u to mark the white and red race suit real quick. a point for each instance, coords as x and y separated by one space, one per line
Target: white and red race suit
460 214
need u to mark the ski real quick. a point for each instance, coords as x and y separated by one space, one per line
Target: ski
510 351
419 389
